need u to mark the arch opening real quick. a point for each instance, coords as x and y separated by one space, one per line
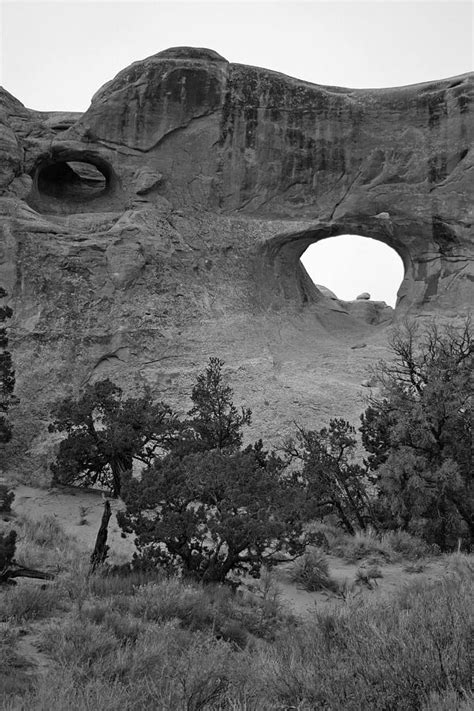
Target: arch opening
350 266
75 181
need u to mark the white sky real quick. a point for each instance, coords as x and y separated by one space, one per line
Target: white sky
55 55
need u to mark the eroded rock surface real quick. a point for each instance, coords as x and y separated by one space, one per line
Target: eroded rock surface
207 182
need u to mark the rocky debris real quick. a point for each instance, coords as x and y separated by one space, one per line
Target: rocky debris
365 296
371 312
146 180
214 179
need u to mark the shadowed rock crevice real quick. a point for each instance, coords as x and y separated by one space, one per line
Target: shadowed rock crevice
75 181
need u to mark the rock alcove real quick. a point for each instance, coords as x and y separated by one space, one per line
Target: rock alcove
72 183
73 180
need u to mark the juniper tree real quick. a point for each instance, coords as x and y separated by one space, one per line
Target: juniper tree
213 422
335 483
106 433
419 432
209 508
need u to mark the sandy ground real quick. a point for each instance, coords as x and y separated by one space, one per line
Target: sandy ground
79 512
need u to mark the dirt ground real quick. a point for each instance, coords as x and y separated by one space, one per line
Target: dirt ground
79 512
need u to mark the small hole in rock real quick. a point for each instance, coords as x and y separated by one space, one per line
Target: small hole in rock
72 180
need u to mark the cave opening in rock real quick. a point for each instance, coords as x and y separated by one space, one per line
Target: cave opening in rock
72 180
350 266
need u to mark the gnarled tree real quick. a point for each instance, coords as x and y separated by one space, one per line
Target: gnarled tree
106 433
334 482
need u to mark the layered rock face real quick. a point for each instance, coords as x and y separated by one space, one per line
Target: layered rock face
166 223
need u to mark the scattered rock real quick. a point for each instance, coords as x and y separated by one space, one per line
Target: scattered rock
326 292
145 180
365 296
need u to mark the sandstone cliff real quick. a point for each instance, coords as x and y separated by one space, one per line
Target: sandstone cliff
166 223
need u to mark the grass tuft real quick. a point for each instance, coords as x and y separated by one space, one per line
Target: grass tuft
311 572
26 602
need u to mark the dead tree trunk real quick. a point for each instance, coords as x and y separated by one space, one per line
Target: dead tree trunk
101 549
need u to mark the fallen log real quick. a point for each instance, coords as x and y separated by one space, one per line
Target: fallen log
9 568
18 571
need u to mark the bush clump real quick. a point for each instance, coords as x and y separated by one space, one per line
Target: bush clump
311 571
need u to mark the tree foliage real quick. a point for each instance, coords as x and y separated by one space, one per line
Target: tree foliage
419 432
7 374
334 482
106 433
213 513
210 508
214 422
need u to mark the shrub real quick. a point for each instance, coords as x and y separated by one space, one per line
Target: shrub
59 690
166 668
214 609
171 599
14 677
122 581
77 643
366 544
368 576
311 571
203 514
125 627
29 602
414 567
43 544
407 545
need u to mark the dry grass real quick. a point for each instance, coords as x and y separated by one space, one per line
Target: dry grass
311 572
14 678
143 640
388 547
27 602
376 654
42 543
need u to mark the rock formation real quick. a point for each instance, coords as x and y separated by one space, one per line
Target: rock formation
166 223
